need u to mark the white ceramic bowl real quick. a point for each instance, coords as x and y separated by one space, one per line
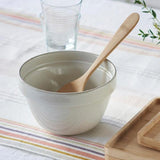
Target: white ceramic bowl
66 113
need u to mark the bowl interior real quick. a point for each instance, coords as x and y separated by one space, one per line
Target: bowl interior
51 71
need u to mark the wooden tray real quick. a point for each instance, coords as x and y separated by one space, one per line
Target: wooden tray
124 146
149 135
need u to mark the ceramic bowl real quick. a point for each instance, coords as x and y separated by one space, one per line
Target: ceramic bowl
66 113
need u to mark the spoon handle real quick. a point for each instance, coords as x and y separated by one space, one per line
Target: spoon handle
121 33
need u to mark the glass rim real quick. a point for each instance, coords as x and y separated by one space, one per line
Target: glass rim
58 6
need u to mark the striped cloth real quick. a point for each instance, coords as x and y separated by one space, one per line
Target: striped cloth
38 140
137 82
22 135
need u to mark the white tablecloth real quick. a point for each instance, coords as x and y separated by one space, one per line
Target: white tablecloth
137 65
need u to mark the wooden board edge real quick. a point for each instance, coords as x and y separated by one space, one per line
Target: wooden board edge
148 126
122 155
150 143
111 142
146 141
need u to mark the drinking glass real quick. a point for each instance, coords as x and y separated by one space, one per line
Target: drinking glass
60 19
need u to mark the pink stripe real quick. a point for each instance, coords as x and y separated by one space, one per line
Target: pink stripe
84 32
44 131
21 17
50 144
126 41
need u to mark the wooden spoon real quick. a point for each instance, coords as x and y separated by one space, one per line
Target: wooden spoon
79 84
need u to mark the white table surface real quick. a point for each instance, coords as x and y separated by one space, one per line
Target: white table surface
109 14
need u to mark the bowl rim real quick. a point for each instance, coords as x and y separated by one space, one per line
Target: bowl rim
65 93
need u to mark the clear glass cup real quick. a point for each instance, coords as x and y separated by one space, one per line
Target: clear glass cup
60 19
